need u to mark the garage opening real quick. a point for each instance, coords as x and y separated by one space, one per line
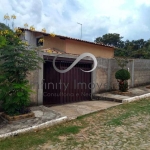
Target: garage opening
69 87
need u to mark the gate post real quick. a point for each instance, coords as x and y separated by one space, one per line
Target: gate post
109 74
40 79
132 73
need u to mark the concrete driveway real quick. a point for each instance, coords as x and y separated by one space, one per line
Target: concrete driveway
74 110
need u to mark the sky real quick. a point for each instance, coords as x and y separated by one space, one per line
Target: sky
129 18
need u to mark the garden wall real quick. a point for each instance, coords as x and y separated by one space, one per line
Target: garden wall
103 77
105 74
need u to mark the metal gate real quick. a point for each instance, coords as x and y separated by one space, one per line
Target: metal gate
69 87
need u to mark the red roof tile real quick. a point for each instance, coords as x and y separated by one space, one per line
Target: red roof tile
66 37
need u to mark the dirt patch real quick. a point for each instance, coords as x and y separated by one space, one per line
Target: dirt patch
128 93
148 87
62 138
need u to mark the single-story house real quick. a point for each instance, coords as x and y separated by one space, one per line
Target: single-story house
52 87
67 44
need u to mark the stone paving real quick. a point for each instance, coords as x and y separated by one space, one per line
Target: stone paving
110 96
132 134
42 114
74 110
99 137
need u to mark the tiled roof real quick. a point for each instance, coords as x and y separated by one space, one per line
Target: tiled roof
57 51
66 37
53 50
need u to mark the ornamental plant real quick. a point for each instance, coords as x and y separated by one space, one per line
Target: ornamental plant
17 59
122 75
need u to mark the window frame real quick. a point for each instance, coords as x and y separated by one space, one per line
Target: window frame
37 39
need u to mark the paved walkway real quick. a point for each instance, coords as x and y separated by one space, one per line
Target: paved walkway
74 110
42 115
112 96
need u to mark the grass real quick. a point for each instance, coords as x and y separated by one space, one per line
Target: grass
130 109
84 116
113 116
118 121
66 130
26 141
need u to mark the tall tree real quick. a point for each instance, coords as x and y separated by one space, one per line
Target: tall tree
132 49
2 38
112 39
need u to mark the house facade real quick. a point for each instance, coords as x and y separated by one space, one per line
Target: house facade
68 45
51 87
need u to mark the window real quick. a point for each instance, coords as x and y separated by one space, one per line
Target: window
40 41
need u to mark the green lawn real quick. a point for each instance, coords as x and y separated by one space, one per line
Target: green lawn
96 129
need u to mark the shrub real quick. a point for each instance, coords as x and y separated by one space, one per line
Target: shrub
122 75
17 59
123 86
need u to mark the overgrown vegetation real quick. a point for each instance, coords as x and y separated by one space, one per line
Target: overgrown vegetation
17 59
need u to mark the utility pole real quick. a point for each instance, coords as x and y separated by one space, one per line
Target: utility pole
81 28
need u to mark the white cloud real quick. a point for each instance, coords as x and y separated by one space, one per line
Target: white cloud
140 2
126 17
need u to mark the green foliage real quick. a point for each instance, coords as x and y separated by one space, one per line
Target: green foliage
123 86
17 59
15 97
122 74
131 49
2 41
112 39
122 62
134 49
4 27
